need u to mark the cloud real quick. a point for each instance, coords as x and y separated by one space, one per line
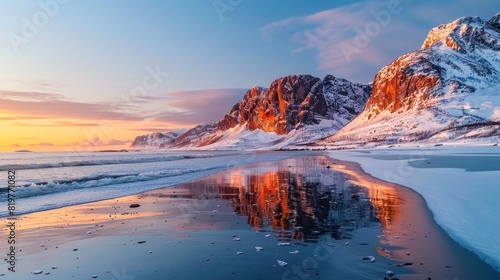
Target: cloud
95 142
16 145
355 41
47 105
150 129
200 106
57 124
43 144
31 96
116 142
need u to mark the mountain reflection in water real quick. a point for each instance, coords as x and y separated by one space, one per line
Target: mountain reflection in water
299 198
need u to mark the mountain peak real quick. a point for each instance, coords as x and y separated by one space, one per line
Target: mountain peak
465 34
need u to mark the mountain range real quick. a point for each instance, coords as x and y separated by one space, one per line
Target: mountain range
448 90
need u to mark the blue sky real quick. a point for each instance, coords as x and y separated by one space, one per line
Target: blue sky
151 61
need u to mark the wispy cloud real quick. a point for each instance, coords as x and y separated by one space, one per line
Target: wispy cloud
42 85
151 129
95 142
56 124
357 40
353 41
48 105
30 96
194 107
42 144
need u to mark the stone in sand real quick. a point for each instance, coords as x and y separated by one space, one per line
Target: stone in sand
134 205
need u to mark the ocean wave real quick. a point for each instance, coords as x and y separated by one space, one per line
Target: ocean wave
97 162
58 186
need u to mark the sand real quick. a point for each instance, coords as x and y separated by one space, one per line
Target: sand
324 218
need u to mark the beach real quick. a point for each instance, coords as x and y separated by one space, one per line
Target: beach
309 217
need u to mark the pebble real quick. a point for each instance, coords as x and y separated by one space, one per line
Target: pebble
37 272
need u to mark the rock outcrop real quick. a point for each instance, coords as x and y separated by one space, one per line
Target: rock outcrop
295 101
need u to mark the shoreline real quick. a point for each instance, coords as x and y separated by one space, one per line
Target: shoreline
433 234
174 212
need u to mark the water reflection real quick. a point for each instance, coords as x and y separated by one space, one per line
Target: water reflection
300 198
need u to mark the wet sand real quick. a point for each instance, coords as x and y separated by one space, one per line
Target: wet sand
329 217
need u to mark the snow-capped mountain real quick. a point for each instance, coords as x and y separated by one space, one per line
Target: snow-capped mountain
294 109
448 89
157 139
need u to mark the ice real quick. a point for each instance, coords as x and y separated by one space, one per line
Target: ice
461 189
282 263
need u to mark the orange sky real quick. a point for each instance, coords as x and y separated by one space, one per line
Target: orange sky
64 134
42 121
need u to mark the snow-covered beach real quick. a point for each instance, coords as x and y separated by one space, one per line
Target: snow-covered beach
460 185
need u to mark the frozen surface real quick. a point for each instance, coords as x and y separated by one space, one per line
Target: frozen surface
459 184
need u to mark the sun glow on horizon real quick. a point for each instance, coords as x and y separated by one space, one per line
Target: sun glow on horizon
64 134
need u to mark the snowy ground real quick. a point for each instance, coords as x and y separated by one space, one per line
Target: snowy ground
459 184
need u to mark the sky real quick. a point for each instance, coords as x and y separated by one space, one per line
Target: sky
84 75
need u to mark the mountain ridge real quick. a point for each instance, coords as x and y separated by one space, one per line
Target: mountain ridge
449 89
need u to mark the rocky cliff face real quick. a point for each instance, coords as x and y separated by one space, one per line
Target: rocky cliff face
289 102
295 101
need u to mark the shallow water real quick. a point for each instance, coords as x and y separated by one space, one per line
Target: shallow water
209 228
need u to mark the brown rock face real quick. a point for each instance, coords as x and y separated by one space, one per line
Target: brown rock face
288 103
399 85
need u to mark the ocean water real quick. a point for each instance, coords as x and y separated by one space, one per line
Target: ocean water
52 180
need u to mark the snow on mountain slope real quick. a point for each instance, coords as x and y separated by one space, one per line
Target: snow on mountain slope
446 90
157 139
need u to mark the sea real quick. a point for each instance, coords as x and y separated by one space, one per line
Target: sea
49 180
